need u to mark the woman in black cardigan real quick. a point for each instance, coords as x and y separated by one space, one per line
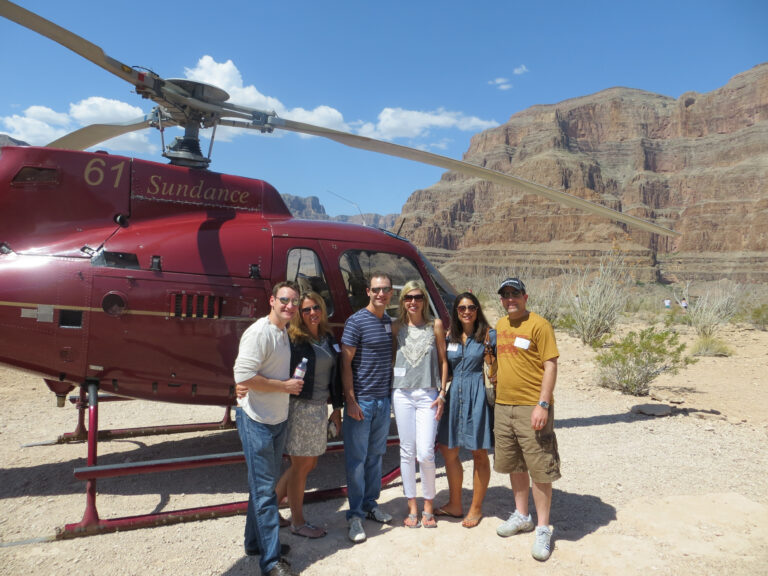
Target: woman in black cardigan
312 339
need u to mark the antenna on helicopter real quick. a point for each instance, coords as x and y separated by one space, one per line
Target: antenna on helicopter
362 218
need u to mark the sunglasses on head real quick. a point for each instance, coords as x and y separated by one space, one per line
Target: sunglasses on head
308 309
470 308
512 294
384 289
285 301
413 297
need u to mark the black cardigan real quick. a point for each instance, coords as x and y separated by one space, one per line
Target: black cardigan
304 349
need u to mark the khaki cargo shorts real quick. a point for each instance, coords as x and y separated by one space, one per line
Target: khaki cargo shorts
520 448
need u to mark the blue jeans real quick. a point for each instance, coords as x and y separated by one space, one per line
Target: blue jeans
263 448
365 443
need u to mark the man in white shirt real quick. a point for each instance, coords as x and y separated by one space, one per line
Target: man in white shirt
263 388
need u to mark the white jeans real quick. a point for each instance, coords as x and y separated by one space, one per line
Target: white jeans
417 427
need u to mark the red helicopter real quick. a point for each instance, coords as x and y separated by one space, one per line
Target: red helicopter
138 278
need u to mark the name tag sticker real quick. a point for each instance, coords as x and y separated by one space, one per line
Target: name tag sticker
337 348
453 347
522 343
399 371
388 328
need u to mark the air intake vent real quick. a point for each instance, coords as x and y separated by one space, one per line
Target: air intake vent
186 305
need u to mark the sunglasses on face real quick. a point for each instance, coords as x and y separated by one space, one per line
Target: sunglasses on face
308 309
512 294
384 289
470 308
413 297
285 301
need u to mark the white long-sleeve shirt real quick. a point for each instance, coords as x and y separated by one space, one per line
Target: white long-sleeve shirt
264 350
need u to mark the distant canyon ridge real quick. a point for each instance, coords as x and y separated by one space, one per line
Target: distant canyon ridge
697 164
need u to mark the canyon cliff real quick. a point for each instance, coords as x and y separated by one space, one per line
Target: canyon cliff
697 164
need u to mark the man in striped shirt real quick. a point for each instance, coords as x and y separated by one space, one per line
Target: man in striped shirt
366 354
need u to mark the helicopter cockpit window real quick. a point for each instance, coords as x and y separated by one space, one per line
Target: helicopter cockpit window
305 269
357 266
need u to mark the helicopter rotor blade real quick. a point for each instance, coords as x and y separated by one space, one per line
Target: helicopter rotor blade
192 103
79 45
94 134
467 168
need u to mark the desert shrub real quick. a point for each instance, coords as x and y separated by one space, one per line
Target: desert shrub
597 298
758 316
710 346
631 364
716 306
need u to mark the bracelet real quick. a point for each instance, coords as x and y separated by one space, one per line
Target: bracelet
441 398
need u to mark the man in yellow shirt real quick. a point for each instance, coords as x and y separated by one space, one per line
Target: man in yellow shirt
524 414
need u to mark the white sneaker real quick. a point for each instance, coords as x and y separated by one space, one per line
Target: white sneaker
379 515
356 532
514 524
542 543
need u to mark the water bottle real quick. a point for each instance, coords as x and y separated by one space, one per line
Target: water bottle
301 369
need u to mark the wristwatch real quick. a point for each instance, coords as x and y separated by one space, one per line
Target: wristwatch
543 404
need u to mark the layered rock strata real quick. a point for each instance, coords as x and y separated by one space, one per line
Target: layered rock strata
697 164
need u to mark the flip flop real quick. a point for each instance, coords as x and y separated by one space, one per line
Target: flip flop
284 522
471 522
412 521
428 520
444 512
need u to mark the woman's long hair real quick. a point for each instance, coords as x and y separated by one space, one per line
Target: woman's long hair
402 313
297 330
481 324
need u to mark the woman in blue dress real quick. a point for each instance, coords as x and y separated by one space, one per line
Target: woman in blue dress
467 420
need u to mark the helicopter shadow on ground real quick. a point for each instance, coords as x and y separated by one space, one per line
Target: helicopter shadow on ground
57 478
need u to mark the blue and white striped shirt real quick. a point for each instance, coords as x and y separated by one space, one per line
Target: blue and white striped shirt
371 337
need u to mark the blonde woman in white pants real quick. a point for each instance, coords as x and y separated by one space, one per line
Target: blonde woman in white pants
420 373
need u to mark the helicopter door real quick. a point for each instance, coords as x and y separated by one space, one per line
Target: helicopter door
303 261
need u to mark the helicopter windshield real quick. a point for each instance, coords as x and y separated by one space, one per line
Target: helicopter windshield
357 266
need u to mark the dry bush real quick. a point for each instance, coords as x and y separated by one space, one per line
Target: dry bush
596 298
715 306
710 346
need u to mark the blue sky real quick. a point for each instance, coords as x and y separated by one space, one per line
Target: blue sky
425 74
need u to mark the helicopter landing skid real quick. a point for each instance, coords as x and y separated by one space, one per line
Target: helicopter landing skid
80 433
92 524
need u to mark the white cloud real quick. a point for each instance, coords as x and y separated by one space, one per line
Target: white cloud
399 123
520 70
98 110
40 125
37 126
226 76
500 83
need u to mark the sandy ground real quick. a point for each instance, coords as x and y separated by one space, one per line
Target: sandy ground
680 494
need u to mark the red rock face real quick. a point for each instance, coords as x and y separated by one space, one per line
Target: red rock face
697 164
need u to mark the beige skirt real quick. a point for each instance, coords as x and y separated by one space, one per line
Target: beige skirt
307 428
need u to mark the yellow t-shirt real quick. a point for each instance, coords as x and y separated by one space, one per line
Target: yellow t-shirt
522 347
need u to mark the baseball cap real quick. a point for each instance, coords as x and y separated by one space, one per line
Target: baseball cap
515 283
